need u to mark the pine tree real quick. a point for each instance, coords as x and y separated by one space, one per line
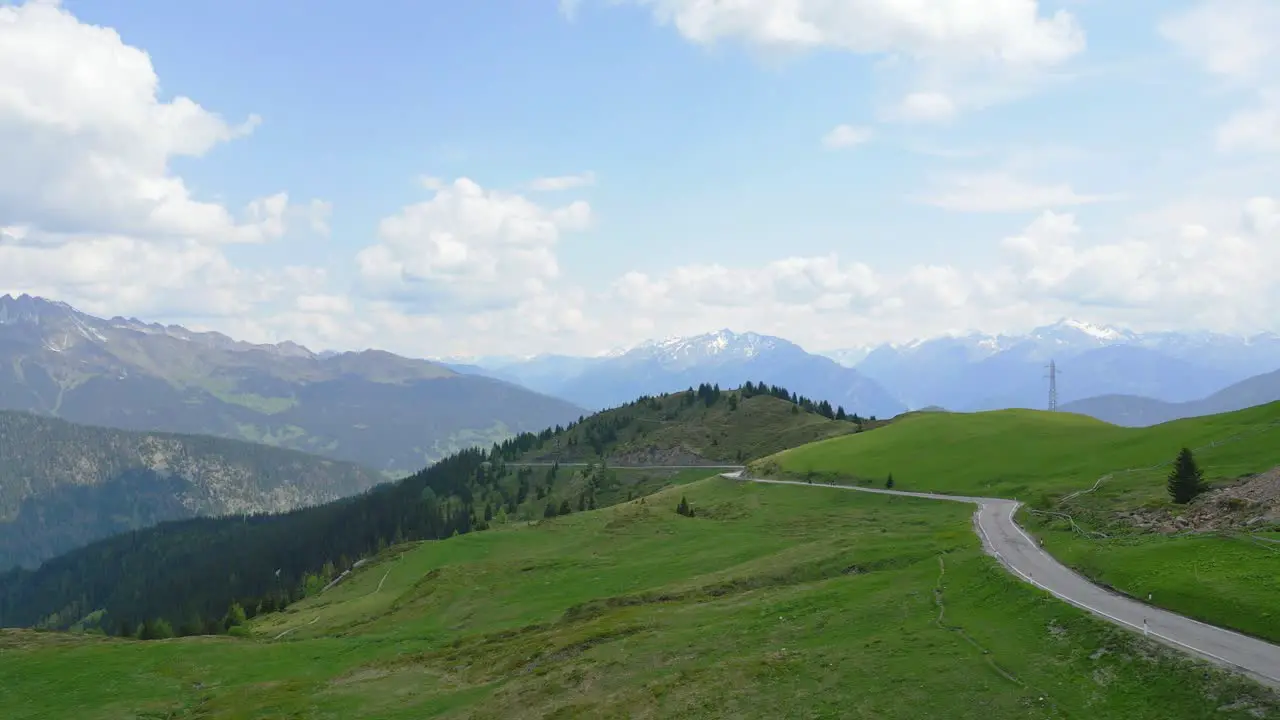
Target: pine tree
889 482
683 507
564 507
1186 480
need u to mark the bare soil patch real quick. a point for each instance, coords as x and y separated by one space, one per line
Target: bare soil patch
1253 503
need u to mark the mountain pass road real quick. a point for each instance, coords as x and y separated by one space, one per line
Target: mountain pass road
1014 548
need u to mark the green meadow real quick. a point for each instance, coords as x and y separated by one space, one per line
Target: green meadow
770 602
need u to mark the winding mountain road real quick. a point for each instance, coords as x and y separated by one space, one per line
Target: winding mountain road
1014 548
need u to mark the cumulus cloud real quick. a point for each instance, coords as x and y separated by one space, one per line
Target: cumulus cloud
468 246
1175 274
90 203
846 136
1004 192
976 52
1012 31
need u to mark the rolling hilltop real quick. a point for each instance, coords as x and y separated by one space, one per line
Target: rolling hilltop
698 427
63 485
382 411
203 565
1097 495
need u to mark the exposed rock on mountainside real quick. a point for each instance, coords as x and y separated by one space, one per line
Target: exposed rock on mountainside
63 485
374 408
1252 504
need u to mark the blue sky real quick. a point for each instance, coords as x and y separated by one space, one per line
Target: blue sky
714 201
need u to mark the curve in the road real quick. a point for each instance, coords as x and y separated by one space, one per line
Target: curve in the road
1014 548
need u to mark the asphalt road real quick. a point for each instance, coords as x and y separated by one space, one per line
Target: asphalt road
627 467
1010 544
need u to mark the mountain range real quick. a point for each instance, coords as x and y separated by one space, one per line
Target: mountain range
380 410
725 357
983 372
1138 411
1141 375
63 485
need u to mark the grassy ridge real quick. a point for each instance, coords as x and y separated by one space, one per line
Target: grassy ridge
1043 457
771 602
683 427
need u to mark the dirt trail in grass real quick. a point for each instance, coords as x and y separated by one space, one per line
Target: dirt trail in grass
1017 551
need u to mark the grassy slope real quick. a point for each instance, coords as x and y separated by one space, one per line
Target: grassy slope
757 427
775 602
1041 457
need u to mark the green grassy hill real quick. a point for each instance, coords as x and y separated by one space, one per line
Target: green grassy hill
188 573
695 427
1229 577
770 602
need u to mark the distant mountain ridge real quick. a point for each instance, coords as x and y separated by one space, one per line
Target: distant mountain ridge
724 357
63 485
979 371
378 409
1138 411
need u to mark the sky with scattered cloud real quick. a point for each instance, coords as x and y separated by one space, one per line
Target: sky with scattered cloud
527 176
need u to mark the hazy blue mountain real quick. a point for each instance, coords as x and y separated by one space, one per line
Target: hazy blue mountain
378 409
549 374
1115 369
726 358
1138 411
979 371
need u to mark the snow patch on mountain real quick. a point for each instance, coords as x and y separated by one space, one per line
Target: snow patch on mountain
721 345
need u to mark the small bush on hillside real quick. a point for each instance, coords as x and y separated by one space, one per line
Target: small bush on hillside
888 483
684 508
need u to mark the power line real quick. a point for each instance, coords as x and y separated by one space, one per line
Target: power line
1053 386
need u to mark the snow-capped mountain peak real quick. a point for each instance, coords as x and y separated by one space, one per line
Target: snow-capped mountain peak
1100 332
723 344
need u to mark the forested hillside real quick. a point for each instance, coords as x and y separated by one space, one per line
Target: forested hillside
63 485
698 426
190 573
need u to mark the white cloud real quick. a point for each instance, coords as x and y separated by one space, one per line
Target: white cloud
846 136
1256 129
93 213
925 107
88 142
1235 39
563 182
468 246
1004 192
1007 31
1176 274
979 52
